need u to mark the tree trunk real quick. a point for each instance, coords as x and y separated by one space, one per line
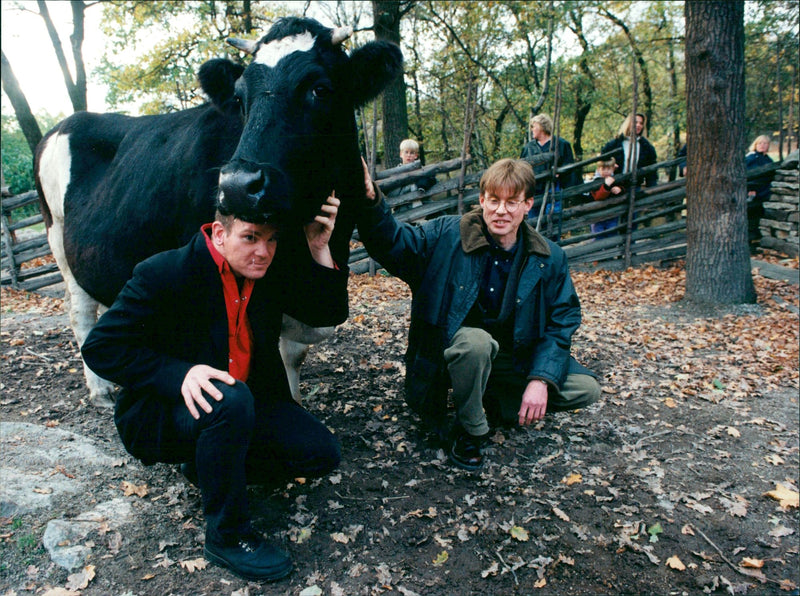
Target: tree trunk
585 88
673 104
77 88
386 17
27 123
643 68
717 252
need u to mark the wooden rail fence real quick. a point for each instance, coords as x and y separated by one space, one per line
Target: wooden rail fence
658 230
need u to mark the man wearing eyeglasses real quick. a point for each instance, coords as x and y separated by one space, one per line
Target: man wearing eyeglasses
492 315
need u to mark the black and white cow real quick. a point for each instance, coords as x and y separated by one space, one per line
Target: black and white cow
280 132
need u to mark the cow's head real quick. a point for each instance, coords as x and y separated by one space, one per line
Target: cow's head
297 99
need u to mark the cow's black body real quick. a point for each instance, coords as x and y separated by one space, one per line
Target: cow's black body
140 185
282 136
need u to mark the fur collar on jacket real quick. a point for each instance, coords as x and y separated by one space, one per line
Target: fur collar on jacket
473 235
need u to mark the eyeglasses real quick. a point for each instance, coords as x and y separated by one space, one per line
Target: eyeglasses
493 203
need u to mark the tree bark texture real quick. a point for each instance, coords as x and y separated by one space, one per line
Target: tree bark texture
718 255
22 109
386 16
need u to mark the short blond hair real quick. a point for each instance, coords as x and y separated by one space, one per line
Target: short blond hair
760 138
545 121
513 175
409 145
607 163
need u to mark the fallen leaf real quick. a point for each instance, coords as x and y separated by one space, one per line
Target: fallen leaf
572 479
314 590
61 592
670 403
491 570
774 459
654 531
540 583
340 537
129 489
80 580
733 432
192 565
752 563
441 558
781 531
785 496
560 514
519 533
675 563
687 530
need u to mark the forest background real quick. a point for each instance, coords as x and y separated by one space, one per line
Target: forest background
499 62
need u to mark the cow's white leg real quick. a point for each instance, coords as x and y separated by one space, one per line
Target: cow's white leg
82 308
294 344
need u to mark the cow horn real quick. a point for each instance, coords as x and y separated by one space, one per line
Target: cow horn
243 44
340 34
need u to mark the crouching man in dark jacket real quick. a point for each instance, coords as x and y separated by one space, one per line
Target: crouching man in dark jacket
492 315
192 339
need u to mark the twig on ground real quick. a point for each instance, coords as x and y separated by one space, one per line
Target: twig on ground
728 561
507 566
45 358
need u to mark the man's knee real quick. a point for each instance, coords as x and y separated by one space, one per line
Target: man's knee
577 392
237 406
471 344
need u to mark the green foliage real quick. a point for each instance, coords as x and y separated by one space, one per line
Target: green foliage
170 41
771 48
17 158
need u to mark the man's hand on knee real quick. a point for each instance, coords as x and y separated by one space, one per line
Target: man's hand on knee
534 402
197 382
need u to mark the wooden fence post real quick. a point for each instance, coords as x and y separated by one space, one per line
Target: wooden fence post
633 163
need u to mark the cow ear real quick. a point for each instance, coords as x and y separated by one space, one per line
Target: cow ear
372 67
217 79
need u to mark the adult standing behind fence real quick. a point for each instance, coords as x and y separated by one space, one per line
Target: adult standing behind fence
645 152
542 133
758 189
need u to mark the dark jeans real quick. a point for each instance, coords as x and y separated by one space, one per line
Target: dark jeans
247 441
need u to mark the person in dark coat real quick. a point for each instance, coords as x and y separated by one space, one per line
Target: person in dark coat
543 142
621 146
492 315
192 339
758 189
409 153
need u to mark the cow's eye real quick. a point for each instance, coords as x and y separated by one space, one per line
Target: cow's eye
321 92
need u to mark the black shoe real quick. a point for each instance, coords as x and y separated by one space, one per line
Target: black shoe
189 471
251 558
465 452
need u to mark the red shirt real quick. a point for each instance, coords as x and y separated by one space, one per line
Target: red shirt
240 335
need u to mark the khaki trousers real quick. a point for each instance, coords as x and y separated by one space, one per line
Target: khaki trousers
484 383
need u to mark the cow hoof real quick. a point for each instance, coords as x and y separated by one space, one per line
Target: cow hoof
103 401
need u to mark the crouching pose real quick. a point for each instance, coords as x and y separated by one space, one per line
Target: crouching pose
192 339
492 315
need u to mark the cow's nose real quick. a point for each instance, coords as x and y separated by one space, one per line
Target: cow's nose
241 189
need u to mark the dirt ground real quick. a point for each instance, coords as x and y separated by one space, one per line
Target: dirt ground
682 480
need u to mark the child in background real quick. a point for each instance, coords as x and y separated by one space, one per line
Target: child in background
605 170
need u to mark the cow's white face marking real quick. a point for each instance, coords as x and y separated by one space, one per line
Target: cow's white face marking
271 53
